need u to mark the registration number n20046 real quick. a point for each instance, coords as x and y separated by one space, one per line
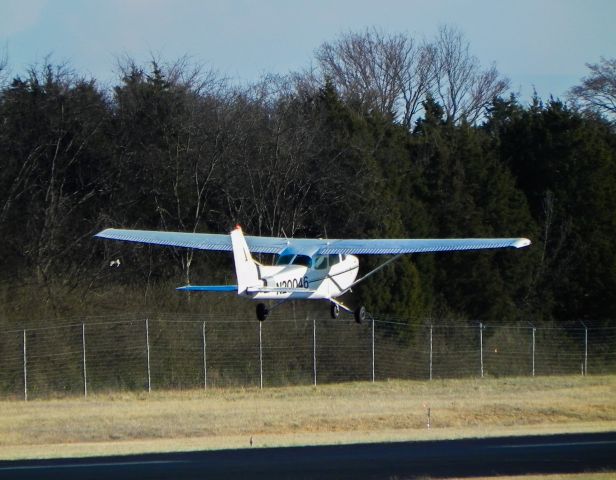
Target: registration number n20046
294 283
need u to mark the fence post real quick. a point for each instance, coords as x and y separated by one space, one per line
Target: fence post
585 348
147 349
534 330
260 359
372 350
314 351
430 351
204 358
83 350
25 369
481 346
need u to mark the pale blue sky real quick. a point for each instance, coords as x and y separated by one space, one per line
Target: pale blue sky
536 43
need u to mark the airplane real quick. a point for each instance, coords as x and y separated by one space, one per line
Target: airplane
306 268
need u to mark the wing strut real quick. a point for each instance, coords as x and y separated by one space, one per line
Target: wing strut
372 272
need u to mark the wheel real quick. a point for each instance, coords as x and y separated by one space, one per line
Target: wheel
334 310
360 314
262 311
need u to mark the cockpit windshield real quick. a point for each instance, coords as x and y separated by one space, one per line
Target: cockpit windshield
291 259
303 260
284 259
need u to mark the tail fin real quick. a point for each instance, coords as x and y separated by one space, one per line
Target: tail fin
246 269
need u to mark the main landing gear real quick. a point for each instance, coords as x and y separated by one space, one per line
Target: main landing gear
359 313
334 310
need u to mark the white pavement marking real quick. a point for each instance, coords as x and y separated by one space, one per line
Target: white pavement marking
566 444
89 465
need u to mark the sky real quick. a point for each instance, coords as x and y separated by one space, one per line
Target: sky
540 45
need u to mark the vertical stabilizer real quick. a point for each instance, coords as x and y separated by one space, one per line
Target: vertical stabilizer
245 267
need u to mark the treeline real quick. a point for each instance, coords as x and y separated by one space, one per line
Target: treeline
386 137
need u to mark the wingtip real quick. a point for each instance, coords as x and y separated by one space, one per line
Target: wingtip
103 232
522 242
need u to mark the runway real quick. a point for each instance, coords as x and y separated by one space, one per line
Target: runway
571 453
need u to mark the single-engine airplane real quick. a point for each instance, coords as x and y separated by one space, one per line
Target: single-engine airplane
306 268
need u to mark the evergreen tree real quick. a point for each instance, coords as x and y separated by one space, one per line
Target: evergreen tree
469 193
564 163
53 151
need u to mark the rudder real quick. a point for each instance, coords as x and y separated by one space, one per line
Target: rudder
246 269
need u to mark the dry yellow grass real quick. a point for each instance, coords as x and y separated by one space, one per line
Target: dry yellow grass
356 412
568 476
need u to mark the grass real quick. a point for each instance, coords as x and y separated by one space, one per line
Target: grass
566 476
123 423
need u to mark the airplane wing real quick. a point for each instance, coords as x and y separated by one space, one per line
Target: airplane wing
199 241
406 245
311 246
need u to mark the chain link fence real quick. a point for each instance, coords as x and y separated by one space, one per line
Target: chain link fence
188 351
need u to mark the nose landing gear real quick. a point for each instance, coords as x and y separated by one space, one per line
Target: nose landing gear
262 312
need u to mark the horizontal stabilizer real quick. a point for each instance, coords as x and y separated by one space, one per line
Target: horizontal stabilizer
208 288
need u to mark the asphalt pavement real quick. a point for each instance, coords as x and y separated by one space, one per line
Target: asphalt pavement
570 453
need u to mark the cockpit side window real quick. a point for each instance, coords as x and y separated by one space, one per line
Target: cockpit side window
284 259
334 259
303 260
320 262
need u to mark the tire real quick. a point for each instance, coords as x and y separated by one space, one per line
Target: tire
262 312
360 314
334 310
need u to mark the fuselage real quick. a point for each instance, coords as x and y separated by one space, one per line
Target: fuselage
317 277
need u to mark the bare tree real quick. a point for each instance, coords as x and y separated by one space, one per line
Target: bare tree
196 148
461 87
4 63
52 125
368 68
269 179
392 74
417 78
186 105
598 91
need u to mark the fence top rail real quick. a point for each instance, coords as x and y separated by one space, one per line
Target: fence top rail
73 325
232 319
528 327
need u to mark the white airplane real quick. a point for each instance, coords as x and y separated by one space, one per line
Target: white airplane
306 268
